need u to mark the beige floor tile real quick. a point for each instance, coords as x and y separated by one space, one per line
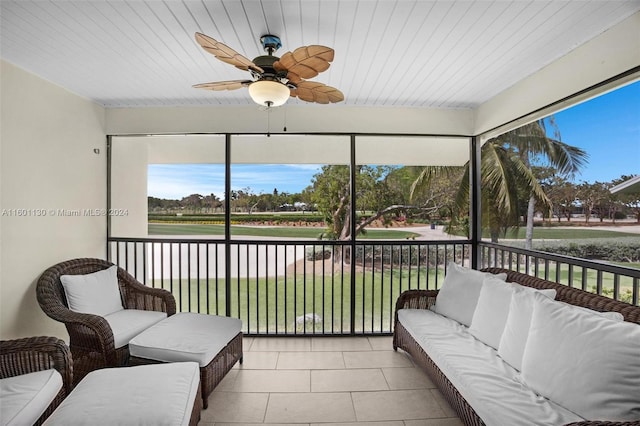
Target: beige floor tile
396 405
288 344
273 381
444 404
310 408
235 407
347 380
340 344
385 423
253 424
434 422
407 378
246 343
310 360
228 381
376 359
381 343
258 361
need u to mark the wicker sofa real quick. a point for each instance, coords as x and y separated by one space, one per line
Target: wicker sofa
465 401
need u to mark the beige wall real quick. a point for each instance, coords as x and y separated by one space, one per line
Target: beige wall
48 165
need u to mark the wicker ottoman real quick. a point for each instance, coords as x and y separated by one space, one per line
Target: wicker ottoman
214 342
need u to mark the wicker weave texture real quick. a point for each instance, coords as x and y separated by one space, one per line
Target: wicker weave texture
423 299
574 296
31 354
91 338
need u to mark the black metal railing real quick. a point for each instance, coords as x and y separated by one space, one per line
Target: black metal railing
329 287
617 282
290 287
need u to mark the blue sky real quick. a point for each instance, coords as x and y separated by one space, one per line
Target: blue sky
607 127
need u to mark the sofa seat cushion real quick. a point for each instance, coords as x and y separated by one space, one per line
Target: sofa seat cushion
128 323
492 387
24 398
158 394
186 337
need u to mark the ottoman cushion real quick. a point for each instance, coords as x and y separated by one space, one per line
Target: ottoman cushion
24 398
158 394
185 337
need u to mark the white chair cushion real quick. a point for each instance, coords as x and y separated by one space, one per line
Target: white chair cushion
587 363
458 297
490 315
97 293
158 394
128 323
186 337
24 398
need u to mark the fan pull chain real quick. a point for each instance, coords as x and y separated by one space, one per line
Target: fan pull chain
285 119
268 121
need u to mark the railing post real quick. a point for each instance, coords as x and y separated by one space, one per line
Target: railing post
227 224
475 216
352 243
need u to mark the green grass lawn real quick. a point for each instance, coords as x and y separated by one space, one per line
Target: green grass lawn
272 304
265 231
565 234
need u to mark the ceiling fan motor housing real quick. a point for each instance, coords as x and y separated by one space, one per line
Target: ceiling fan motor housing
266 63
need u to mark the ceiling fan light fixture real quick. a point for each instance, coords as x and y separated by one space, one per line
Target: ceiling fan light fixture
269 93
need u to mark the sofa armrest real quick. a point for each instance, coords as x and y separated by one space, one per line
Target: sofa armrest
415 299
31 354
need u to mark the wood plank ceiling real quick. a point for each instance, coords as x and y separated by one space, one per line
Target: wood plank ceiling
389 53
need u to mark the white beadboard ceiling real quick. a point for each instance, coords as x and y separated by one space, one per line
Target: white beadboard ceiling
402 53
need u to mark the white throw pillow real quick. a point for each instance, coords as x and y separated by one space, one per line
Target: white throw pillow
492 310
458 296
97 293
586 363
516 330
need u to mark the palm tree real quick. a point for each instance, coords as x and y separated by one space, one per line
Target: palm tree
506 172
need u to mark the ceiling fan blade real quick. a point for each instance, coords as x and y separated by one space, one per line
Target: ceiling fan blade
225 53
312 91
306 61
224 85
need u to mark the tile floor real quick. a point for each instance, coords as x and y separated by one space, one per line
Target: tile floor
341 381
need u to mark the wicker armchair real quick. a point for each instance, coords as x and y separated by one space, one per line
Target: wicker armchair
91 338
31 354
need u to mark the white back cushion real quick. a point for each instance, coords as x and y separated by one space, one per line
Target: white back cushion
458 296
587 363
97 293
516 329
492 310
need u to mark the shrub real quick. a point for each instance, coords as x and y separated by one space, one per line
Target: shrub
318 253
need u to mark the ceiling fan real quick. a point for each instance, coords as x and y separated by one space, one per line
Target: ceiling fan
275 79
